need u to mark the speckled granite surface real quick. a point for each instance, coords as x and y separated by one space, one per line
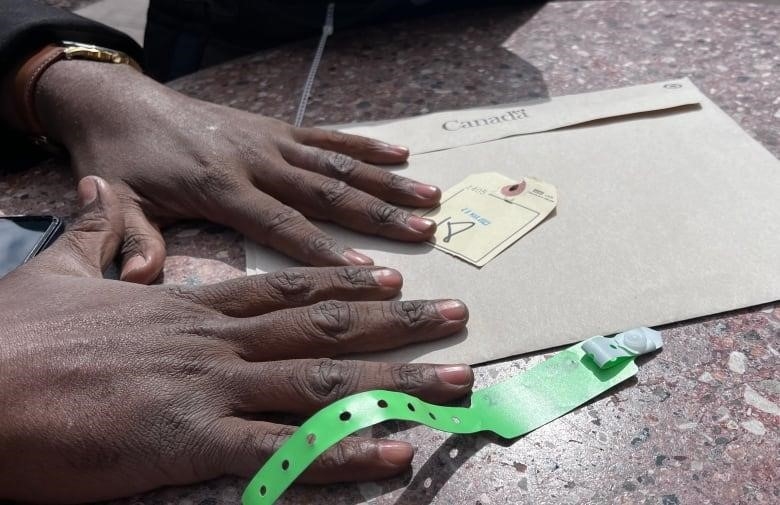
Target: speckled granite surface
700 422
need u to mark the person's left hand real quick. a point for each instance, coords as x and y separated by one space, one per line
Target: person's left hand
109 388
172 157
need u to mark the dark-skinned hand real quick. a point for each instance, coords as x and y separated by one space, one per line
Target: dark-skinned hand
109 388
172 157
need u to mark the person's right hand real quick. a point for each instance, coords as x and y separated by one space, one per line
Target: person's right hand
109 388
172 157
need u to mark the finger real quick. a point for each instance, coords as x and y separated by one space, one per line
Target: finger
362 148
91 243
246 445
295 287
335 327
376 181
143 248
328 199
305 386
271 223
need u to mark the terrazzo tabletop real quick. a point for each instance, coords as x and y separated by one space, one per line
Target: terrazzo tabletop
699 424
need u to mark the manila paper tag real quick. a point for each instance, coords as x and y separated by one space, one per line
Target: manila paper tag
488 212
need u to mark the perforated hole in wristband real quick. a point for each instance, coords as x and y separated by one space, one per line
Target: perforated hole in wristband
509 409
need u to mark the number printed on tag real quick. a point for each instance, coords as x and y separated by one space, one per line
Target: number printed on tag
486 213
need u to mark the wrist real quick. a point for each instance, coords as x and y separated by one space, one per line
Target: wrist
23 81
74 97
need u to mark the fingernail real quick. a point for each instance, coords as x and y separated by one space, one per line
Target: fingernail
457 375
427 191
398 150
133 263
388 278
420 224
356 258
87 191
396 453
454 310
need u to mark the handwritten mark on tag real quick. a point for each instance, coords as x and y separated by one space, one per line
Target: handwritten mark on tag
486 213
454 228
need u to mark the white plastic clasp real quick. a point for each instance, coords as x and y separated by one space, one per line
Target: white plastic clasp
606 352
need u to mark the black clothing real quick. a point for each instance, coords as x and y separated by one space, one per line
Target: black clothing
25 27
185 35
28 25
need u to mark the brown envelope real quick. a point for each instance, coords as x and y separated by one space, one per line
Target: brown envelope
667 211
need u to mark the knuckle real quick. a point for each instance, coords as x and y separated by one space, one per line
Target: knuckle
214 451
337 456
190 308
135 241
294 285
280 220
408 377
294 178
339 165
332 319
204 364
355 277
131 243
384 214
166 427
334 192
213 176
318 243
412 312
268 442
185 294
325 380
394 182
179 427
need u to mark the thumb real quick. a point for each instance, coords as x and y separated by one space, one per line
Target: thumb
91 242
143 251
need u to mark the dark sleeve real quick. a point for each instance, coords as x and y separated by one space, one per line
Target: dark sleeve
25 27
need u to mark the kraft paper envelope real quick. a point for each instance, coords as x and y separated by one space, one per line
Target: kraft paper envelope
667 210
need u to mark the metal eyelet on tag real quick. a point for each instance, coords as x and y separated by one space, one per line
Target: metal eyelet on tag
514 189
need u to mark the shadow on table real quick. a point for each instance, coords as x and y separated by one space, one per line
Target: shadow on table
443 61
442 465
423 487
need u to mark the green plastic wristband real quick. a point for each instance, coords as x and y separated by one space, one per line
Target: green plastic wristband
509 409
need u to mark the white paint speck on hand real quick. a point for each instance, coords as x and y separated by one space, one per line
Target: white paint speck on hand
737 362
